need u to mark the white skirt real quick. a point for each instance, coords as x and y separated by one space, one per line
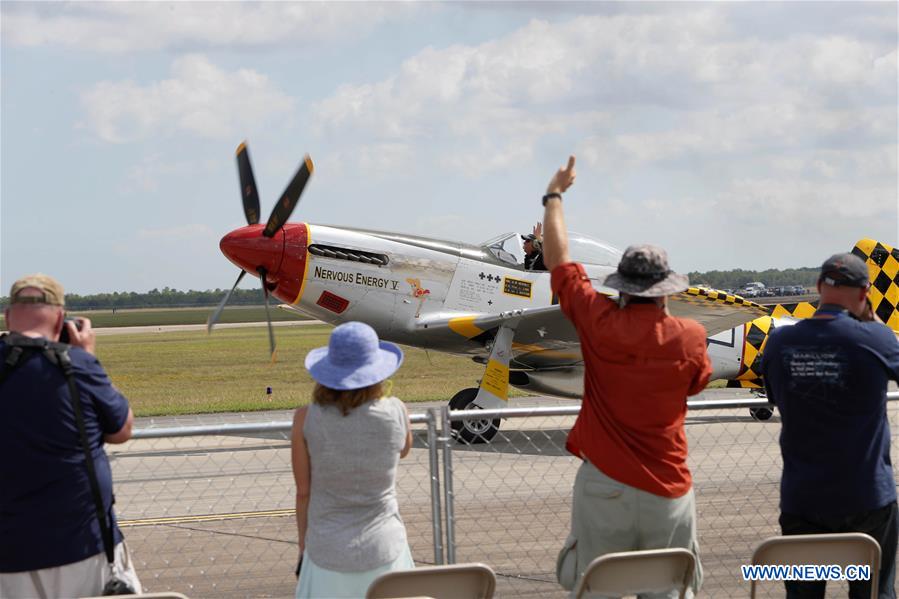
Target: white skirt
319 583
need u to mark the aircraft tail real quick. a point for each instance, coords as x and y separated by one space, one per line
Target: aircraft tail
883 272
755 335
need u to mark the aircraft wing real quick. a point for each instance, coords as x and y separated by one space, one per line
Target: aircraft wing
715 310
544 337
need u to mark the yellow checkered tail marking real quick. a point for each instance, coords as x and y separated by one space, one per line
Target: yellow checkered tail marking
797 310
883 272
755 337
715 296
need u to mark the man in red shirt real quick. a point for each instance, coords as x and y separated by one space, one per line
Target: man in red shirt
634 489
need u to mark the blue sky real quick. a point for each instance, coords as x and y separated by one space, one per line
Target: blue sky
736 135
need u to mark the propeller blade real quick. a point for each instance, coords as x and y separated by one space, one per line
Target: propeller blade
218 310
283 209
248 192
268 316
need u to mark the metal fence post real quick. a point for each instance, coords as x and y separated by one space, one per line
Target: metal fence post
437 520
446 438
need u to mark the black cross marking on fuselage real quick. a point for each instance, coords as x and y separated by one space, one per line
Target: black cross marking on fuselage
482 275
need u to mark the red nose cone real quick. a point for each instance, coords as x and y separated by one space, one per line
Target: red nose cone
249 250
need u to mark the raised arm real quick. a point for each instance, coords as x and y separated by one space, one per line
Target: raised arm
555 236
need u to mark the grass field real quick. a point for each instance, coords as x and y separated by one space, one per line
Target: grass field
167 316
191 372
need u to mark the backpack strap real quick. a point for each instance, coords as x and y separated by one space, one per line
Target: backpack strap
61 351
21 348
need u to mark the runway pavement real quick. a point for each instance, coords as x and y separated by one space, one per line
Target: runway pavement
213 516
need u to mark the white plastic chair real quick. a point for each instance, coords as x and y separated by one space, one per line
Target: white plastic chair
841 549
457 581
159 595
634 572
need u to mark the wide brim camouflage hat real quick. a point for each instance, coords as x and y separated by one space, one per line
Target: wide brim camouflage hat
53 293
643 271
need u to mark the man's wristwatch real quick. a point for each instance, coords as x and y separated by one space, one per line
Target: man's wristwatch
550 196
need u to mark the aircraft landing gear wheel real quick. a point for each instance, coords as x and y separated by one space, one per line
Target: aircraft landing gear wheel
761 414
471 432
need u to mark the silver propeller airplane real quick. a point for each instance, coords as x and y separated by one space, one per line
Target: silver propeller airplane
479 300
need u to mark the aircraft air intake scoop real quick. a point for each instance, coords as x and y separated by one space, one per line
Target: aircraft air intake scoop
250 250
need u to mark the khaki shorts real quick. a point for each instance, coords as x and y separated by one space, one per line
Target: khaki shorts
608 516
78 579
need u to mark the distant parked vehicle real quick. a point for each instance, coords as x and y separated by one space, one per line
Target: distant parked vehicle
754 289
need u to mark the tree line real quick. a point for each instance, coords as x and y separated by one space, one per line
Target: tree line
155 298
172 298
738 278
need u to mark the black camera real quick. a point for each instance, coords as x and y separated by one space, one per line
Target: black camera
117 586
64 334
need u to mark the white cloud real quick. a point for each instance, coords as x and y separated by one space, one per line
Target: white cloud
147 174
842 61
489 157
376 160
200 99
142 26
809 201
635 90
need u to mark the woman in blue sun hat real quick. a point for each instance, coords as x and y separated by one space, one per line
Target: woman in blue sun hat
345 448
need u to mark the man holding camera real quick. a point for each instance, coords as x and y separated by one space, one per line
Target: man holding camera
828 376
53 543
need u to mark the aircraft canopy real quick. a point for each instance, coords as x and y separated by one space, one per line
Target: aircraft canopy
582 248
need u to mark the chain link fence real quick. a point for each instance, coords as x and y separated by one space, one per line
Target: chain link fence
511 499
208 510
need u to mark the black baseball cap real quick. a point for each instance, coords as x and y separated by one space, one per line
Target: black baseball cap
529 237
844 270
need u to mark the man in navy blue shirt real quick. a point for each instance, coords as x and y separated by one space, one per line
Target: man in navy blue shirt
828 377
51 542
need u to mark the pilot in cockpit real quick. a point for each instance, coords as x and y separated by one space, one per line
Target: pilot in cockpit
532 244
